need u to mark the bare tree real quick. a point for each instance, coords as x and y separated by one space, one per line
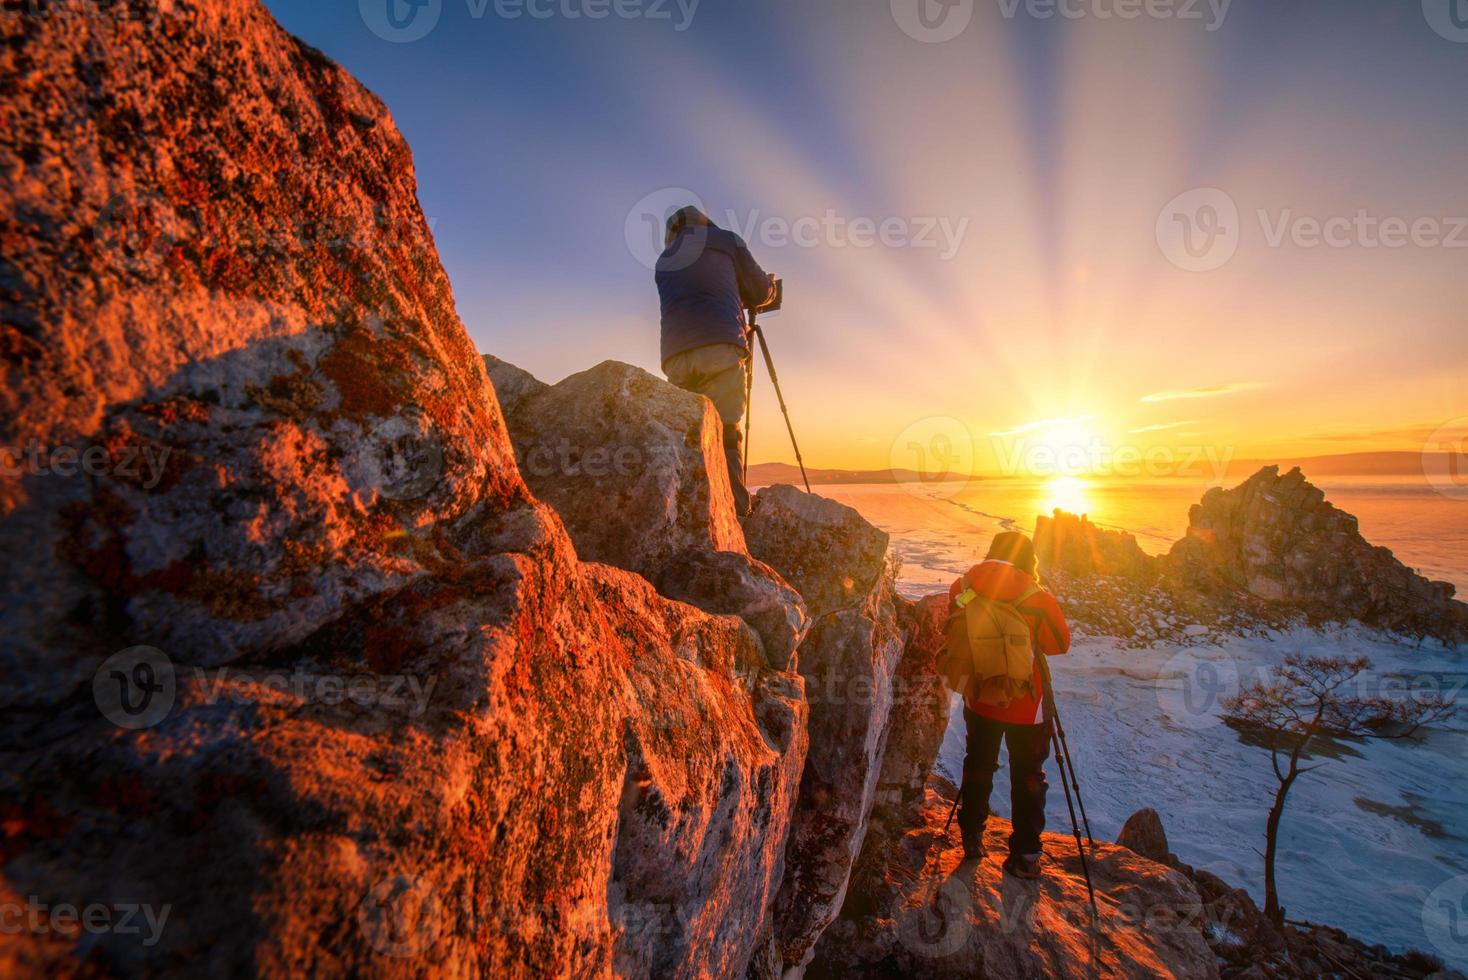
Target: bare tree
1307 698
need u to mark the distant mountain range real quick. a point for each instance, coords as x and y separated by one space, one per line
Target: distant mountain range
1346 464
1342 464
767 474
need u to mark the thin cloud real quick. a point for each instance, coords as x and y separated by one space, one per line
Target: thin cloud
1162 427
1210 391
1020 430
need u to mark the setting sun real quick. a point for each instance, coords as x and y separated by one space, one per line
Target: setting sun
1067 493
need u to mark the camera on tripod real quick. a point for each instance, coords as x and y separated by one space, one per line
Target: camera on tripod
777 297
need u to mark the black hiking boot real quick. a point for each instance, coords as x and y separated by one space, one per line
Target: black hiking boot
1024 866
973 848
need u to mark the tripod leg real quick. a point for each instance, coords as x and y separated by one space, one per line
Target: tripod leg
1075 829
748 418
1076 780
775 380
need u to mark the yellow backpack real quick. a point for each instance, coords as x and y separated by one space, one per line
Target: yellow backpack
990 655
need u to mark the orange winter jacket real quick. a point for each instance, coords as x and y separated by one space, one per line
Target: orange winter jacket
994 579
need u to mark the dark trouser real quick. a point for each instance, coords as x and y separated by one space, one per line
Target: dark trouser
1029 746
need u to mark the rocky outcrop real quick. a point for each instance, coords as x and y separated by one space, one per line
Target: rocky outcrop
921 912
1277 540
1263 555
839 563
1068 546
328 690
635 467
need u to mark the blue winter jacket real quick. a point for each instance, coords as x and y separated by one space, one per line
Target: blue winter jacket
705 279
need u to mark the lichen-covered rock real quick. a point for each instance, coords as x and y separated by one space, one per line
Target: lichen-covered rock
392 726
635 467
829 552
233 361
1277 540
927 914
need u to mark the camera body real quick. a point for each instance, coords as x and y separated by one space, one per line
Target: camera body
777 297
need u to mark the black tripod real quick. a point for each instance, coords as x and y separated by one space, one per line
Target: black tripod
1063 759
757 334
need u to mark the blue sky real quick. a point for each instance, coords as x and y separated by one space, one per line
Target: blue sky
1019 170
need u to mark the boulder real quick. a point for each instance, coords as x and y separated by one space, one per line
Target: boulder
807 538
512 385
924 913
1143 833
363 711
635 467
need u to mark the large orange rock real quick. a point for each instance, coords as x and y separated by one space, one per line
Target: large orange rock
363 711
